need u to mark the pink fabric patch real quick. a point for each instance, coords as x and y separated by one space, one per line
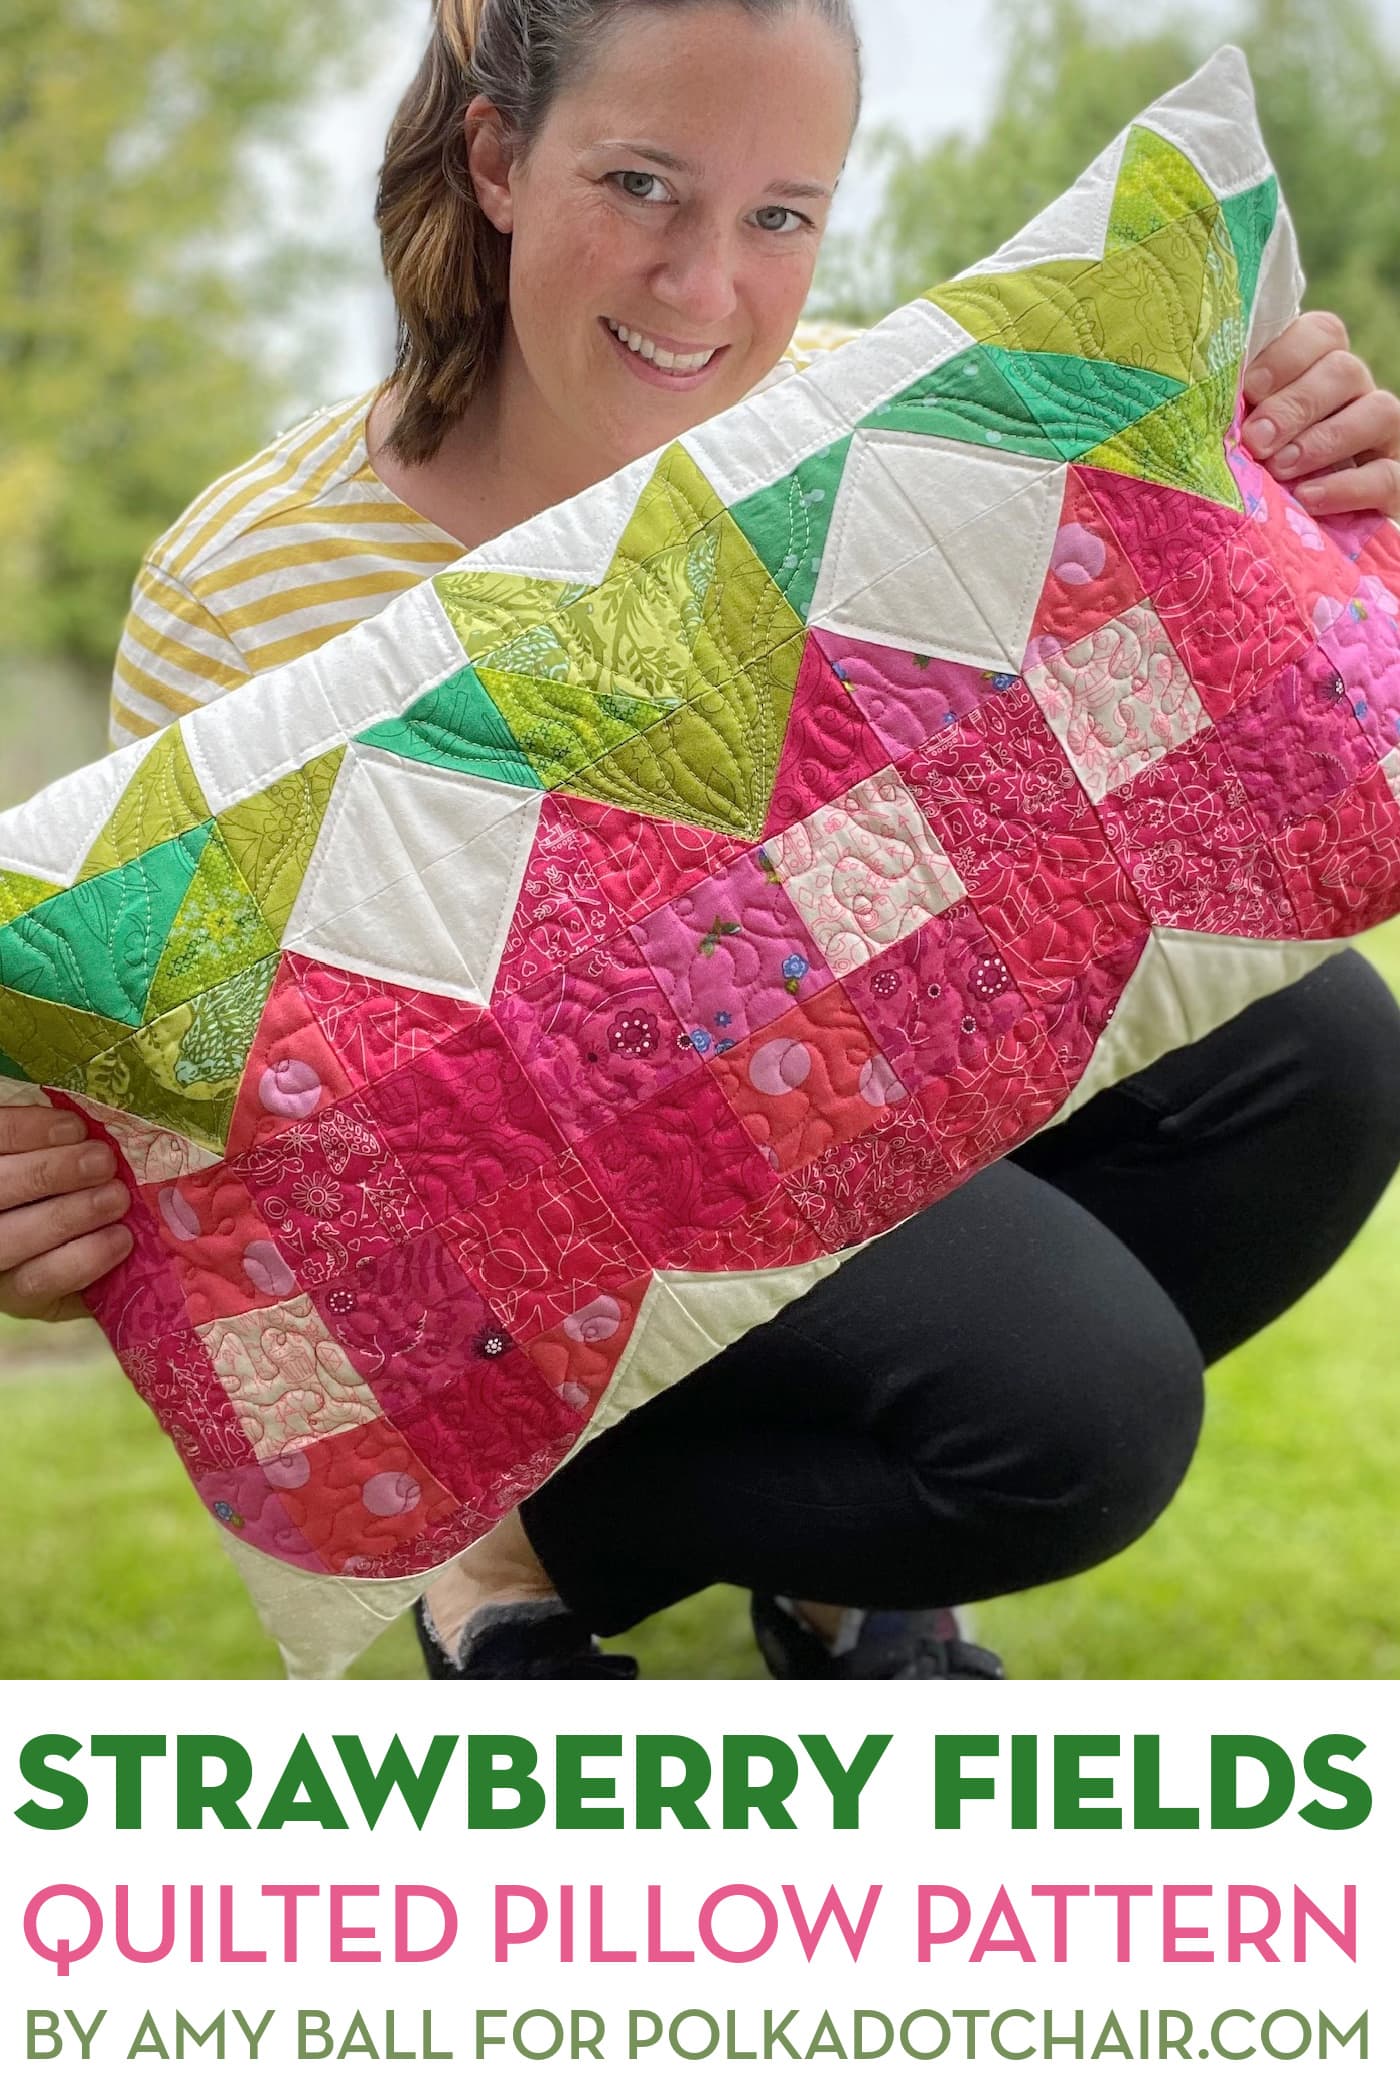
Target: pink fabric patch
641 861
356 1505
410 1323
906 698
332 1192
808 1081
291 1071
373 1028
1161 531
482 1442
829 746
1297 744
139 1302
463 1119
540 1248
865 1187
250 1508
215 1239
561 910
184 1393
1364 646
939 1000
677 1169
1003 1102
1232 622
1090 579
577 1358
1194 845
597 1037
731 954
1338 861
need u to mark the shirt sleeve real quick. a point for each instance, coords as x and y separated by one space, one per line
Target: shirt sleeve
173 656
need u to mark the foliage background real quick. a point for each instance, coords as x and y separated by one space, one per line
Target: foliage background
158 323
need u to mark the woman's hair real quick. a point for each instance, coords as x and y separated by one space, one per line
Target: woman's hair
447 264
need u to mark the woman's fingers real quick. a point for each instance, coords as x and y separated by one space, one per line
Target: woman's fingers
33 1129
59 1203
32 1177
1373 486
1360 430
1281 418
1300 346
33 1229
46 1288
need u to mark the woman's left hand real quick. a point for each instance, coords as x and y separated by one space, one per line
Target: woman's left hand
1319 422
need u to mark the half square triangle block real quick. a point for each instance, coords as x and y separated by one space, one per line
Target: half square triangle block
415 874
940 546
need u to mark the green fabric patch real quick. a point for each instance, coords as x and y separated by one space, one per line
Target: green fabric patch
1180 444
788 523
1249 218
98 946
1080 403
971 399
1157 185
509 621
712 763
20 893
686 609
162 799
47 1040
676 503
182 1072
217 932
562 728
457 726
271 837
1095 309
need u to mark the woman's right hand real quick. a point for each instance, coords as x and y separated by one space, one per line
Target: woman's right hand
60 1200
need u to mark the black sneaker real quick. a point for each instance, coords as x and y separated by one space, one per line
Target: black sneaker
544 1639
889 1644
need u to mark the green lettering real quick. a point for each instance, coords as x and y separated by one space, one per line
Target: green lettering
395 1774
682 1798
37 1767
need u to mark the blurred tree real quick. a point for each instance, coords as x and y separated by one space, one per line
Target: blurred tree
138 255
1073 73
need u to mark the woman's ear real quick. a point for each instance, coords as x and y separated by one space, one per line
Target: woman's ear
490 154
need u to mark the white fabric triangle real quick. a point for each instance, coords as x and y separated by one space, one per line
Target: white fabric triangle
984 529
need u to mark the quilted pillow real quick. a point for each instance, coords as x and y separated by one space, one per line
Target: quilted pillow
505 1007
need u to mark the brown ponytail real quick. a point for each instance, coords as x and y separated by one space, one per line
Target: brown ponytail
448 266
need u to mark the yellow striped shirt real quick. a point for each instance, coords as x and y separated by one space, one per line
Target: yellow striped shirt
296 545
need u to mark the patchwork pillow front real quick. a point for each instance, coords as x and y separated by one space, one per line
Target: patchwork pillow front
507 1006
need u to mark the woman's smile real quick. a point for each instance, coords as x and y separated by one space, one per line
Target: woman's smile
675 381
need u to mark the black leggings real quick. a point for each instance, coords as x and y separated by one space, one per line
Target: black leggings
1007 1389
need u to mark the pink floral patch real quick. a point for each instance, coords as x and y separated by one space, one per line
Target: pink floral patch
597 1038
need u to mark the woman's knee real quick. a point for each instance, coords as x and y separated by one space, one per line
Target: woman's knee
1344 1027
1083 1453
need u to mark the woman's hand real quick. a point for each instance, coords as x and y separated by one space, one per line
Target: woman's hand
59 1202
1319 422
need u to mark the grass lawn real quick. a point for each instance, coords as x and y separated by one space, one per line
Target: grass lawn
1276 1559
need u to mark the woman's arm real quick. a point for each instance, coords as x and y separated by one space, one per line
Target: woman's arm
173 656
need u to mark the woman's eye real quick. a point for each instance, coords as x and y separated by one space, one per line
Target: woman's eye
626 175
783 213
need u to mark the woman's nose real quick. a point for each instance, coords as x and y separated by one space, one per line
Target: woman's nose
696 278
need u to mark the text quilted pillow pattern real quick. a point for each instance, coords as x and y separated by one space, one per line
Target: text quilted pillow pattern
505 1007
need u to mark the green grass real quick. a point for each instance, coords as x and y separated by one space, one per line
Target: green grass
1275 1560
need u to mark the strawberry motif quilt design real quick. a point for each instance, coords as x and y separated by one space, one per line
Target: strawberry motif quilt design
503 1008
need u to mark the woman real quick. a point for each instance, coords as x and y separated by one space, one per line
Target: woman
600 219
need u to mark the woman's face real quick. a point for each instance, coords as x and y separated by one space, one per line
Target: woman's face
680 189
